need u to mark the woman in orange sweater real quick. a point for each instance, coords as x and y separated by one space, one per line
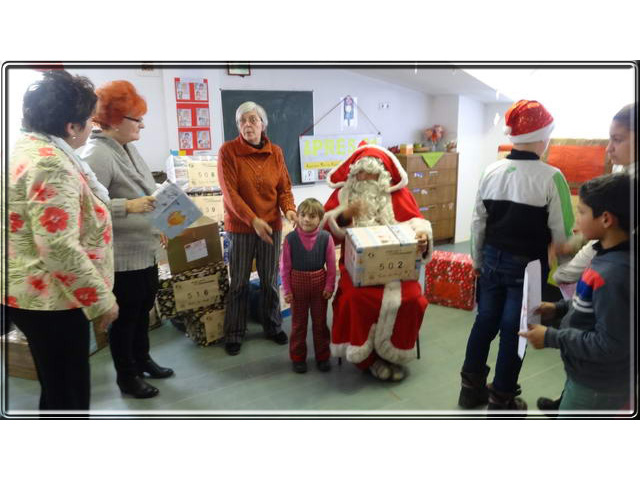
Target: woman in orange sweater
256 187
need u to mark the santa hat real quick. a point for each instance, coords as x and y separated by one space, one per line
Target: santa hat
528 121
339 174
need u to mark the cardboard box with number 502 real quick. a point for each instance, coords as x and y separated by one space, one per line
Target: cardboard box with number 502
381 254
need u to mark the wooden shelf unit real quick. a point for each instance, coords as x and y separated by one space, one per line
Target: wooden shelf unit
435 190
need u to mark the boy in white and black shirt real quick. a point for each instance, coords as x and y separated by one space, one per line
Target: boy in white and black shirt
522 206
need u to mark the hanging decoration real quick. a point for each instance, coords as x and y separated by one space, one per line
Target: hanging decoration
348 112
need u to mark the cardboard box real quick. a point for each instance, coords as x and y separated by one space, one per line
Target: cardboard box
285 307
196 293
406 149
98 339
19 360
210 205
381 254
287 227
436 212
205 327
434 194
449 280
198 246
202 174
205 287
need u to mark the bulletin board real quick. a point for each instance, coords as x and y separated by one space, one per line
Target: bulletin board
579 160
193 114
289 114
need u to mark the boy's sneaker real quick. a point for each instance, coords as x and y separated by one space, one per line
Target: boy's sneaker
324 366
300 367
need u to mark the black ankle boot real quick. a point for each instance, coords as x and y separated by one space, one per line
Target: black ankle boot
474 392
137 387
545 404
506 401
150 367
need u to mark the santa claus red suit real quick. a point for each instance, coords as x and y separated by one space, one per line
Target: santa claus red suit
375 327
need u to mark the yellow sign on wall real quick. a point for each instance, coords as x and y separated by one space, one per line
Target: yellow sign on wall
321 153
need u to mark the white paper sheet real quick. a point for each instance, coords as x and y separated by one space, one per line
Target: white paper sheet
196 250
531 299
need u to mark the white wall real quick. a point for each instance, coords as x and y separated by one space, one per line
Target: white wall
403 122
471 130
444 111
494 134
153 144
409 113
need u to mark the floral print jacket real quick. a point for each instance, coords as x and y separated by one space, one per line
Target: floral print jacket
60 250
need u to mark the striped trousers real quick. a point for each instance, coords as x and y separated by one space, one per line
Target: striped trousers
243 248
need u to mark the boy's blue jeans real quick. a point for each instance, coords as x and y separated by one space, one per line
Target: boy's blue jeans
499 296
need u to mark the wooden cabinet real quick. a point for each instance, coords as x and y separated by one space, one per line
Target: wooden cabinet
435 189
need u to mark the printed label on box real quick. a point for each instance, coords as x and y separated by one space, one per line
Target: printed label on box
202 173
195 293
196 250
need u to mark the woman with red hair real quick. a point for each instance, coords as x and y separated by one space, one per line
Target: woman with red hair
120 168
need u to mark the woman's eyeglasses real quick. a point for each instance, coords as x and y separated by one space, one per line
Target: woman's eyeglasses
133 119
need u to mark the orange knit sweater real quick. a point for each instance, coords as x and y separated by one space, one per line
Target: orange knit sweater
255 183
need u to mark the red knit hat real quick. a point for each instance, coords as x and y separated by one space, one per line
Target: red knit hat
528 121
339 174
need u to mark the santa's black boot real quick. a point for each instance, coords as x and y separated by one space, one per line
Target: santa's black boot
474 391
506 401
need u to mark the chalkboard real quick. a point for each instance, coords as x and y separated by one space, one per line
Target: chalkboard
289 114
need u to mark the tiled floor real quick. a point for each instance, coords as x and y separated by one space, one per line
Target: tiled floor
208 381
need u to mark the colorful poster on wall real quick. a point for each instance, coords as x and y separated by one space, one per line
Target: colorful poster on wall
193 114
321 153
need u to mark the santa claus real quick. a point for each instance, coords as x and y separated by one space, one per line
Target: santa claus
375 327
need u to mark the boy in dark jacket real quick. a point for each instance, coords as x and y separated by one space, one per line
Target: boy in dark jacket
594 335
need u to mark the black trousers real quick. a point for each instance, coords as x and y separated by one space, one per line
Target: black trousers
59 343
135 292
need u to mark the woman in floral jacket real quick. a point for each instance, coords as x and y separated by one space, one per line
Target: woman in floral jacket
60 256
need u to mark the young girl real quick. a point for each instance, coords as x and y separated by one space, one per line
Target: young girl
307 285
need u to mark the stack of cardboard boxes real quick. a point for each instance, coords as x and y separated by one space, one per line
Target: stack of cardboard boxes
433 179
193 289
194 283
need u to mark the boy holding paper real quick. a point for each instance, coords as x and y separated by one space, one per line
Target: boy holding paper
522 206
594 336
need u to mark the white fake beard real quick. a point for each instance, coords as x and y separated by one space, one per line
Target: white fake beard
376 199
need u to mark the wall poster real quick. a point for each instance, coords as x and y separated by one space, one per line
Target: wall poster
321 153
193 113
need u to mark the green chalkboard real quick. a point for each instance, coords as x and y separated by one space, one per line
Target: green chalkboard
289 114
